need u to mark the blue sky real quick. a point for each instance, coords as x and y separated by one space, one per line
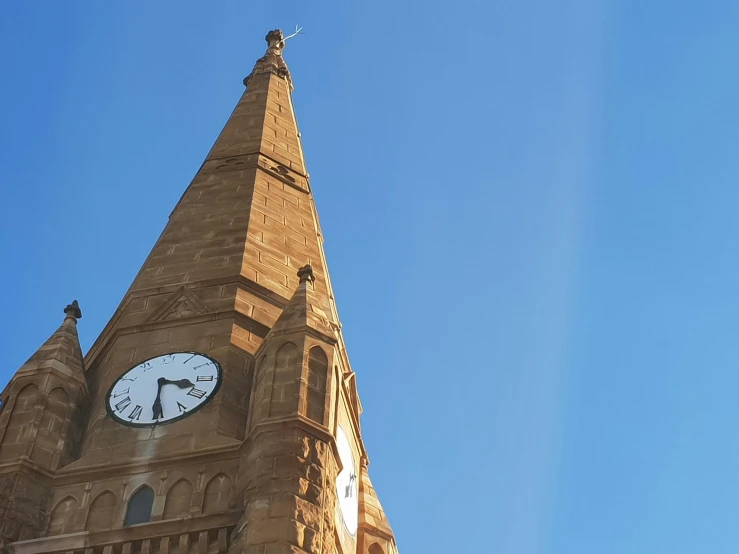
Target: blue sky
530 212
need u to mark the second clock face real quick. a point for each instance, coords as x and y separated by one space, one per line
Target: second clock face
347 484
164 389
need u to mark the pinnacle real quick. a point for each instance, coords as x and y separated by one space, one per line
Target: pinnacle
62 349
305 308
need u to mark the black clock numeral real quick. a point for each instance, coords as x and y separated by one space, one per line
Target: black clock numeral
146 366
202 365
182 407
135 413
197 393
123 404
122 392
168 359
129 379
204 378
190 358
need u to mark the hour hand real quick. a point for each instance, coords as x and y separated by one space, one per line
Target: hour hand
157 409
157 406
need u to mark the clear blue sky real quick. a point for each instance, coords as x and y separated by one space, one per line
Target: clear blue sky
531 220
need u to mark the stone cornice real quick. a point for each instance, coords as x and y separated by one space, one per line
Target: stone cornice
296 422
26 466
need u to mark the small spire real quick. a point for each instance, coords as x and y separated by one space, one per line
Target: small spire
62 350
73 311
306 274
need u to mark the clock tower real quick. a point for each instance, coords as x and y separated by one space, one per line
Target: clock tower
217 412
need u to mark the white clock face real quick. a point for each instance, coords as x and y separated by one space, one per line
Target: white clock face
164 389
347 484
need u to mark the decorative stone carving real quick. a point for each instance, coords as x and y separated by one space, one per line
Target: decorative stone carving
272 61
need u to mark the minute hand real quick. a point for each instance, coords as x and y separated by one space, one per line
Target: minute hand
182 383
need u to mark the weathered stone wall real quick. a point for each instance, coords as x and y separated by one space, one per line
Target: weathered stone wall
288 494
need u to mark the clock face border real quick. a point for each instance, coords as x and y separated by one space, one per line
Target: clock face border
174 419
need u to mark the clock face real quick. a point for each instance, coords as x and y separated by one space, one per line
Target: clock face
347 484
164 389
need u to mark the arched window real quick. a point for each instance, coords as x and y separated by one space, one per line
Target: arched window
178 500
216 494
315 398
62 517
284 398
376 549
139 507
100 517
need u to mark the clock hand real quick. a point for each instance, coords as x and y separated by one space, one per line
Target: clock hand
349 489
157 407
182 383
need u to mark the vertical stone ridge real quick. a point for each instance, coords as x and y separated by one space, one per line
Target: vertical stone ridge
372 518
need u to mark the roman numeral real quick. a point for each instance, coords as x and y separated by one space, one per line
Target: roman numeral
182 407
122 392
204 378
168 359
123 404
129 379
197 393
190 358
135 414
202 365
146 366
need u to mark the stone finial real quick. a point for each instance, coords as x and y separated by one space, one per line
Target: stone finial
272 61
305 273
73 310
275 39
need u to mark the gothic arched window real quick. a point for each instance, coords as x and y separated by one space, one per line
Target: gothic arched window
139 507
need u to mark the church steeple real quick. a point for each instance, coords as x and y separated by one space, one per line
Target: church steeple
243 449
225 265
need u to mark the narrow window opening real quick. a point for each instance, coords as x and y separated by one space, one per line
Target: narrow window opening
139 507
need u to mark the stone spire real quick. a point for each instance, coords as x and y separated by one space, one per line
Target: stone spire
224 268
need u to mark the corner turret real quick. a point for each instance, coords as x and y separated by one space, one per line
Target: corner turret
41 422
